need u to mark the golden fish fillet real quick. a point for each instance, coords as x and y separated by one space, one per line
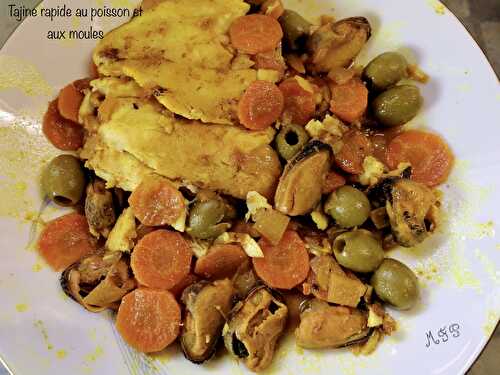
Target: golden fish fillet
181 50
117 168
218 157
195 93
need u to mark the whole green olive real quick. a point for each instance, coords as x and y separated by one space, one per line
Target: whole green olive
396 284
385 70
398 105
358 251
205 219
290 140
348 206
63 180
295 29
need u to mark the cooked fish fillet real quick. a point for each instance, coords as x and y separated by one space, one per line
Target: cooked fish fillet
117 87
181 49
117 168
218 157
188 32
195 93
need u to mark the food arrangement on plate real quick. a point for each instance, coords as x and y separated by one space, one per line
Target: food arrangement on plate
236 176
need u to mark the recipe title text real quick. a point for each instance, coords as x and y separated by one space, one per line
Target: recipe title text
20 12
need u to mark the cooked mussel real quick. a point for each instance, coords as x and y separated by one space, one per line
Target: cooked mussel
379 193
254 327
336 45
299 188
98 281
207 306
99 208
411 206
325 326
409 210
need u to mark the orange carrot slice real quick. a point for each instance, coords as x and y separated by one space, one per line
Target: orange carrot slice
429 155
221 261
355 147
65 240
69 101
255 33
261 105
332 182
148 319
161 259
349 100
157 202
284 265
299 102
64 134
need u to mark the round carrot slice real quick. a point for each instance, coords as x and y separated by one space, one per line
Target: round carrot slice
284 265
69 101
349 100
148 319
161 259
64 134
65 240
355 147
255 33
156 202
299 102
261 105
221 261
429 155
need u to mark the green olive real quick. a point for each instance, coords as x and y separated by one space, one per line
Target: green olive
358 251
398 105
385 70
63 180
205 219
295 29
396 284
290 140
348 206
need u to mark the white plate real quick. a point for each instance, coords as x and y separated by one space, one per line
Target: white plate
43 332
